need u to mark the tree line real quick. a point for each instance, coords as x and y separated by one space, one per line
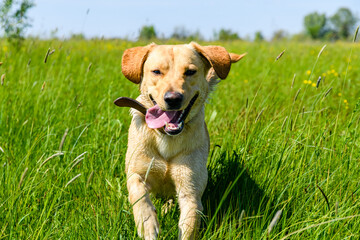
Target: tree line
316 26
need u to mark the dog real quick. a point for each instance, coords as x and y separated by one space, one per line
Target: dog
168 141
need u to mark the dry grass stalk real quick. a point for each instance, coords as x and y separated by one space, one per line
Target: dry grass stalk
73 179
280 55
63 139
297 94
274 221
43 86
327 92
2 79
28 64
148 170
51 52
23 176
322 49
336 208
282 126
89 67
52 156
76 163
89 178
2 150
79 156
47 55
1 63
242 214
292 84
258 117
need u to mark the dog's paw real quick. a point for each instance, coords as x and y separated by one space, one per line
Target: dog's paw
147 224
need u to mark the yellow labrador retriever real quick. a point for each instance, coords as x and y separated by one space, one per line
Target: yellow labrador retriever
168 139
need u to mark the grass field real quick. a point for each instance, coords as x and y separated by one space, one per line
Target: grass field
278 142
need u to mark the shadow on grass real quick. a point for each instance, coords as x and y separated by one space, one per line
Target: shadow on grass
230 190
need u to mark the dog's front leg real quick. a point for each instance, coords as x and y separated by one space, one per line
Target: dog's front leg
190 178
144 211
190 210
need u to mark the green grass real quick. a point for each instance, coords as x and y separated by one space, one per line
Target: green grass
269 152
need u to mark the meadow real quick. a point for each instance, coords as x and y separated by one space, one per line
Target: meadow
284 157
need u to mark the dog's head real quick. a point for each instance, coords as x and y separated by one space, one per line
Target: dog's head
175 79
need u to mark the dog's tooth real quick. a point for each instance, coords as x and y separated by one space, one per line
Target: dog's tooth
167 125
180 124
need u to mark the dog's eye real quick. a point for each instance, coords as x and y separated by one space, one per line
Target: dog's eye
189 72
156 72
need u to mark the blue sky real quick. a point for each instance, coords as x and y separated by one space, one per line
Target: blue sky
111 18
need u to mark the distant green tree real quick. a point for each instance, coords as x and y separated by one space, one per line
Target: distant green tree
183 34
344 22
315 25
14 19
258 37
279 35
226 35
147 33
180 33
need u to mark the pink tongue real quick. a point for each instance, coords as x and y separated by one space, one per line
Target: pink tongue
157 118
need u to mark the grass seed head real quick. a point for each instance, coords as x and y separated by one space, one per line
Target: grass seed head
89 67
23 176
63 139
43 86
274 221
322 49
280 55
89 178
292 84
297 94
47 55
52 156
327 92
2 79
318 82
73 179
356 33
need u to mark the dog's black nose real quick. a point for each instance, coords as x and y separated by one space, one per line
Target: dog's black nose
173 100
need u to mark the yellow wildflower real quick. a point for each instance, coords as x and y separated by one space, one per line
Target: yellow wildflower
339 94
308 72
314 84
305 81
345 101
246 81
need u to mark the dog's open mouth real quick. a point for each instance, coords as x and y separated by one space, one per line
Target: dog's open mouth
171 121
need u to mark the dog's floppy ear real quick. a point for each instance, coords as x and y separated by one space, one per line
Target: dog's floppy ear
133 60
218 58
